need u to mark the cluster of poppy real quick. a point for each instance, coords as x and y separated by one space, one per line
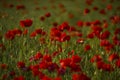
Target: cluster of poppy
44 63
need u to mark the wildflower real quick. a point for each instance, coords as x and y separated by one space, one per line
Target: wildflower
26 23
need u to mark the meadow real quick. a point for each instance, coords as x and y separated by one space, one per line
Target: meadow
59 39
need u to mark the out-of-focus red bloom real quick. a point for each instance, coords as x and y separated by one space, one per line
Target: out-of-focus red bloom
4 76
35 72
118 63
42 18
70 15
75 59
18 7
87 47
12 73
3 66
26 23
102 11
75 67
46 78
43 64
57 78
104 43
86 11
52 67
48 14
109 7
96 58
80 23
25 31
47 58
64 26
9 35
38 31
17 32
87 23
97 30
113 57
33 34
105 35
104 66
61 71
115 19
20 64
105 25
109 47
55 53
64 37
91 35
96 22
19 78
95 8
80 41
55 24
116 40
117 31
89 2
65 62
41 75
37 56
80 77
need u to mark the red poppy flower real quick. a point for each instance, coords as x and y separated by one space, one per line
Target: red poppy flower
75 67
80 40
118 63
95 8
86 11
87 47
102 11
43 65
61 71
65 62
17 32
96 58
38 31
91 35
26 23
80 23
9 35
37 56
104 43
89 2
19 78
104 66
47 58
33 34
48 14
18 7
64 37
35 72
80 77
105 35
12 73
25 31
113 57
109 7
20 64
3 66
57 78
46 78
42 18
96 22
64 26
75 59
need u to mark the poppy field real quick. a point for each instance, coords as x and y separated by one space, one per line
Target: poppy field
59 39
